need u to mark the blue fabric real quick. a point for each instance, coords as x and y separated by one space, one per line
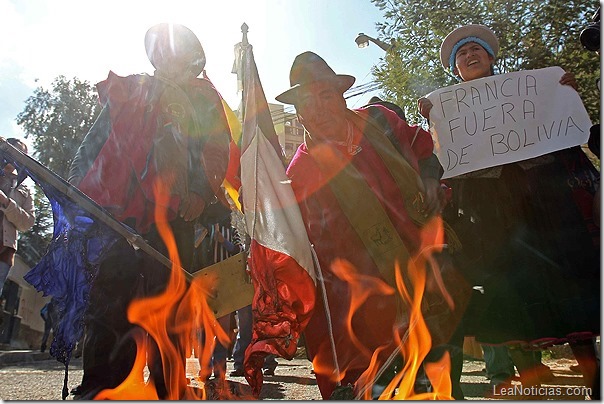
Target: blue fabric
244 336
499 365
219 357
71 262
464 41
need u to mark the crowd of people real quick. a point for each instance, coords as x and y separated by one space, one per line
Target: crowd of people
368 185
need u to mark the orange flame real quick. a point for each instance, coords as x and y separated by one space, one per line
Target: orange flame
362 287
171 318
417 341
134 387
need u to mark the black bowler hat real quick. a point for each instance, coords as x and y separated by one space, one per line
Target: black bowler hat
174 43
308 67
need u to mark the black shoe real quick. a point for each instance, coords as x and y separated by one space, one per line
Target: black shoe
237 373
268 372
86 392
76 391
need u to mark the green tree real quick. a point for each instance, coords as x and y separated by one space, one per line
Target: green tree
532 34
56 120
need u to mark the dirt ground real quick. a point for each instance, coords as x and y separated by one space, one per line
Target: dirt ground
42 379
294 380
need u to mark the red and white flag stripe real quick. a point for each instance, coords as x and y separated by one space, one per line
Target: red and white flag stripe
280 258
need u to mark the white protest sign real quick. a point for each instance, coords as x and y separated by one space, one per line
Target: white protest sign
505 118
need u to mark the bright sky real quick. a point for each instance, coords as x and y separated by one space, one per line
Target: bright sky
42 39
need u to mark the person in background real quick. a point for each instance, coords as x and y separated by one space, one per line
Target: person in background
165 130
16 209
527 234
49 315
350 175
390 105
244 337
222 241
500 367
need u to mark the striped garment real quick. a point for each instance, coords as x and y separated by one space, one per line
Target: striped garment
232 242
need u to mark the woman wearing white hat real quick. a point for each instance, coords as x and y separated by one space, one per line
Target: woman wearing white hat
528 236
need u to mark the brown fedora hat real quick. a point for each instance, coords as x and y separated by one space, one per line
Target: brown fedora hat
167 44
308 67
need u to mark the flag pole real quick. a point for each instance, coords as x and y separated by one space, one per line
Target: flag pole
87 204
244 45
279 248
244 29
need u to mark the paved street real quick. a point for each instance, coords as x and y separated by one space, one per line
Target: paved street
42 379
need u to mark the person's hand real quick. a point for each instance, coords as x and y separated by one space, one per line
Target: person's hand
434 197
568 79
424 106
3 199
192 206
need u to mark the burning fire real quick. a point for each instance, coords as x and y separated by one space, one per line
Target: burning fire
418 341
170 319
415 344
134 387
362 287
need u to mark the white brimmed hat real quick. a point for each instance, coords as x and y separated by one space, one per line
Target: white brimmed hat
467 31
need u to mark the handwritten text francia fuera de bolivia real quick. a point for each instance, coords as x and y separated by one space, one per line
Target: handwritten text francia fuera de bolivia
485 107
